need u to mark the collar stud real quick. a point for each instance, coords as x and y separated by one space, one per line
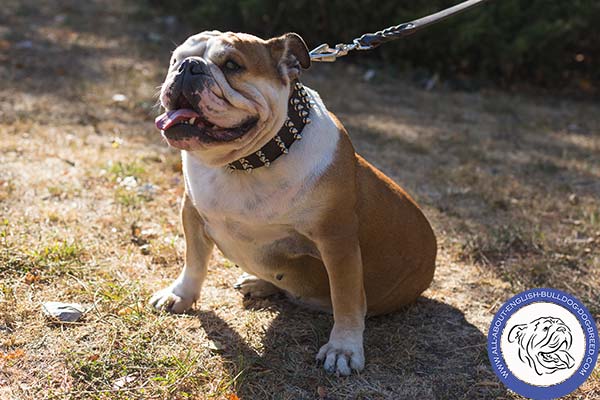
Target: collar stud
299 106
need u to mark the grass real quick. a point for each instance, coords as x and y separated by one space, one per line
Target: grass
121 170
89 201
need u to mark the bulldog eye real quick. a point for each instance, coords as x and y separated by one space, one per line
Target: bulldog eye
232 66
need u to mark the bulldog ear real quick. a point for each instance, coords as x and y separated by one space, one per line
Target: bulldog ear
290 53
516 332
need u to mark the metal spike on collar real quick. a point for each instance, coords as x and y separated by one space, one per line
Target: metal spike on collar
281 145
246 165
301 102
263 158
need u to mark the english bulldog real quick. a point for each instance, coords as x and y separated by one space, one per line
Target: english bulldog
544 344
272 179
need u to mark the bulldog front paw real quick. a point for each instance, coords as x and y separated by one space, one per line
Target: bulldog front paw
173 299
342 355
251 286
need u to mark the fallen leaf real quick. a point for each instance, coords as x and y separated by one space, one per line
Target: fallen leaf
31 278
215 345
13 355
130 309
233 396
125 311
93 357
123 381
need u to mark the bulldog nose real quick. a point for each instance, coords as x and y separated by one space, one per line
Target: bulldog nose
193 66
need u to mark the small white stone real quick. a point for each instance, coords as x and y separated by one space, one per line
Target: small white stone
129 182
124 381
65 312
119 97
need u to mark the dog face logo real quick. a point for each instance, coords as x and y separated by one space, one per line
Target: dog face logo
544 344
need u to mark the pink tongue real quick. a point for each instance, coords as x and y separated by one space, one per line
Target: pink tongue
170 118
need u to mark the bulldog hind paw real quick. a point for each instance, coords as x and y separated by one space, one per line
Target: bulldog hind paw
172 299
341 357
253 287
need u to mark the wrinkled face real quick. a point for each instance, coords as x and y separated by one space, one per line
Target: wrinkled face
225 94
544 343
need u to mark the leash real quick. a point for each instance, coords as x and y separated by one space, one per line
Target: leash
368 41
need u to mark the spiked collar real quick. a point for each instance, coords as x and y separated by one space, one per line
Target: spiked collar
299 106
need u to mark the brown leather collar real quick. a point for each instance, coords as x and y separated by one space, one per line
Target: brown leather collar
299 106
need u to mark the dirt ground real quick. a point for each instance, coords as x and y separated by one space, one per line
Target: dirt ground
89 198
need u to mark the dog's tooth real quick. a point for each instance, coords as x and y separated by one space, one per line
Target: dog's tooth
192 121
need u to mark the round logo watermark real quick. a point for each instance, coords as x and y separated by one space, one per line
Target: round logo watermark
543 343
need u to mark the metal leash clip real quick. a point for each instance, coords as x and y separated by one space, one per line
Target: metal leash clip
369 41
324 53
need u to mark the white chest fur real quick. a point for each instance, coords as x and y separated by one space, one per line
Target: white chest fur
243 211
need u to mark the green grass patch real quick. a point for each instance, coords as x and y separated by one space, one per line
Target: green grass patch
128 198
122 170
133 368
58 258
61 252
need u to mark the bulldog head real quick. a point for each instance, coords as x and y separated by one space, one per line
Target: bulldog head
544 344
226 94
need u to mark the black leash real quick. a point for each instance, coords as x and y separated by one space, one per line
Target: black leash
369 41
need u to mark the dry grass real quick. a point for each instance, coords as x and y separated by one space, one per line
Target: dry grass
88 213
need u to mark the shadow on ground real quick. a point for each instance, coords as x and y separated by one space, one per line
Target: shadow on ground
428 350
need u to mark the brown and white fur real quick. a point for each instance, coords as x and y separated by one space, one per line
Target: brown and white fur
320 224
